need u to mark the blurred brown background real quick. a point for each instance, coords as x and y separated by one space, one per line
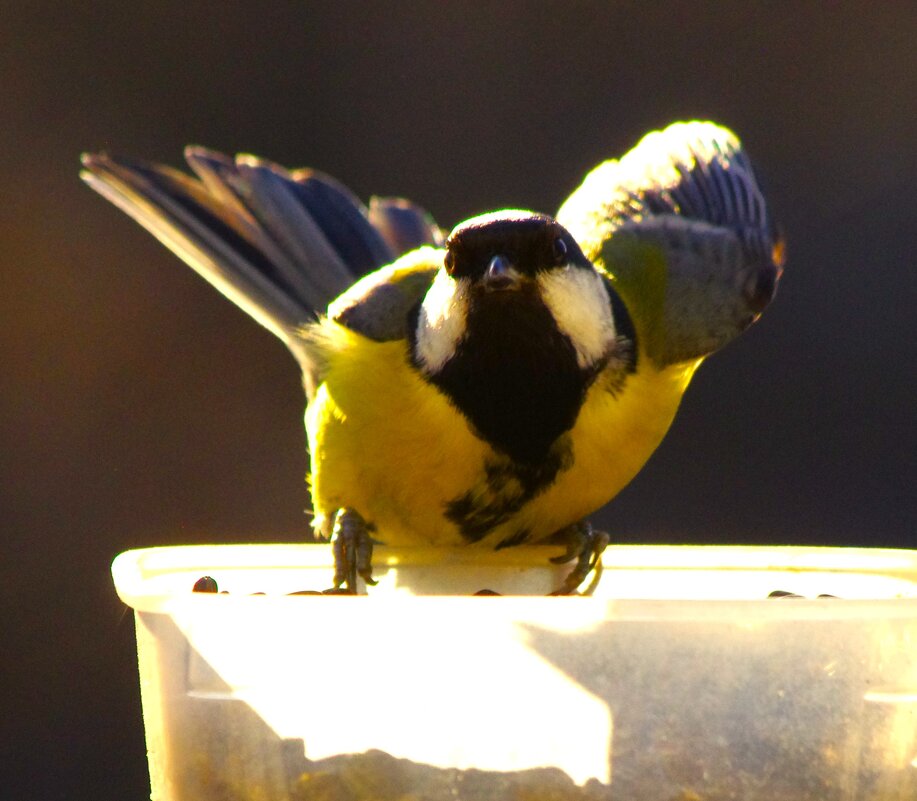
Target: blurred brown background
139 408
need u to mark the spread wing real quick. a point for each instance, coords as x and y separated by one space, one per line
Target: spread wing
682 228
280 244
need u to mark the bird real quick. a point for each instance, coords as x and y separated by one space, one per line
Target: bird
491 387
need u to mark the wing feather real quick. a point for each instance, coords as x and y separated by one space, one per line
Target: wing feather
683 229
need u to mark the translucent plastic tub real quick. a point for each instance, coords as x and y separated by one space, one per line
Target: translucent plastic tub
677 680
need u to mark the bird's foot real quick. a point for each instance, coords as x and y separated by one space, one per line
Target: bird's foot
352 547
584 544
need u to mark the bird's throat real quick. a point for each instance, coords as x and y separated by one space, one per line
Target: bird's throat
514 376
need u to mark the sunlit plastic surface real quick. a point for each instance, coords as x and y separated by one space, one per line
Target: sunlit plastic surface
677 680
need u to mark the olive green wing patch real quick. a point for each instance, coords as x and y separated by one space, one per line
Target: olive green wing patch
681 226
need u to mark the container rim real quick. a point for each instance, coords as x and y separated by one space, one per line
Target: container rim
139 574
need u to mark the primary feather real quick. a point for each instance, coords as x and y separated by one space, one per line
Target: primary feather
281 245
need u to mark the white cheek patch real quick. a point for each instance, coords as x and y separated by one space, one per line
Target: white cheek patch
441 322
582 311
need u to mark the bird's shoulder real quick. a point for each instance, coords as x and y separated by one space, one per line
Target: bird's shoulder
378 306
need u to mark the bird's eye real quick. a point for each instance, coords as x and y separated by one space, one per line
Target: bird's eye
559 250
449 261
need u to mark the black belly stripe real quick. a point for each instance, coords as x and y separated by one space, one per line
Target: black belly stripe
515 379
517 538
515 376
505 488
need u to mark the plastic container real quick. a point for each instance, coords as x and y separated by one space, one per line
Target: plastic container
677 680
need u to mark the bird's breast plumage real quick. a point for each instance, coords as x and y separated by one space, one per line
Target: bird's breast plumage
414 466
514 375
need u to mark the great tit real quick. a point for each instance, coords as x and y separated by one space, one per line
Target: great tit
496 386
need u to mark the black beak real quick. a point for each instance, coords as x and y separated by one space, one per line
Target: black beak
500 274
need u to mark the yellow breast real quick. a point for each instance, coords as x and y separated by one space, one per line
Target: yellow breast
614 435
390 445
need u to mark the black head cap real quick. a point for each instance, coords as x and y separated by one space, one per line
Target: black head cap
530 242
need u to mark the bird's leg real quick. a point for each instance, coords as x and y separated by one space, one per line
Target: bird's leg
352 547
584 544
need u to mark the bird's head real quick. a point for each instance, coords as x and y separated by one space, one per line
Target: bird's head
509 250
520 281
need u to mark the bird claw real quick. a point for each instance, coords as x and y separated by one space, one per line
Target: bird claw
352 547
584 544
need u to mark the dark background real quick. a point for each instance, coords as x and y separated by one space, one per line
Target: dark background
138 407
